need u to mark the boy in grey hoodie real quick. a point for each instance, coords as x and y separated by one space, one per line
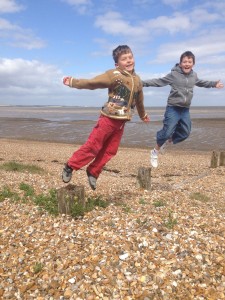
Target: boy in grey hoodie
177 122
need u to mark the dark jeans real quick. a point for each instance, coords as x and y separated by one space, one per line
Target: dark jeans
176 125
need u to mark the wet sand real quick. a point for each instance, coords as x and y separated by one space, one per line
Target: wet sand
207 134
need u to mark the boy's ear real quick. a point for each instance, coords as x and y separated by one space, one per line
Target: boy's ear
116 65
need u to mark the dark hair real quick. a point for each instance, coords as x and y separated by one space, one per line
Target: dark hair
189 54
123 49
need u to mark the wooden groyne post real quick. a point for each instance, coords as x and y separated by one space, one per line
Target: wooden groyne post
69 196
217 159
144 178
222 158
214 159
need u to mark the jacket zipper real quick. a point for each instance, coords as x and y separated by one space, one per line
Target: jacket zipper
185 98
132 90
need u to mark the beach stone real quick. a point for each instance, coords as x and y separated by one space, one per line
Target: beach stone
68 293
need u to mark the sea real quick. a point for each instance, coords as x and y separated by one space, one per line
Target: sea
72 124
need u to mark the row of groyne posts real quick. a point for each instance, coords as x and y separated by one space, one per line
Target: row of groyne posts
71 194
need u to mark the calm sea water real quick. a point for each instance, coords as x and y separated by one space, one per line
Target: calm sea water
73 113
74 124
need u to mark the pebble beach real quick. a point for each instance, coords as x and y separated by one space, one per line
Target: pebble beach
164 243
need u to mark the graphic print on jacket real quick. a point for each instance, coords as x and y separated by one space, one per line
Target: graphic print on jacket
118 105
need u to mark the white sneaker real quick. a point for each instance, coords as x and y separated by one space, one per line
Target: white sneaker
154 159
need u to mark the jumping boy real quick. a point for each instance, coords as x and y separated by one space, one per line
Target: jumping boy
177 122
124 93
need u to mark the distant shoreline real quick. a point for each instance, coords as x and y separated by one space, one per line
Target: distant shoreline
95 107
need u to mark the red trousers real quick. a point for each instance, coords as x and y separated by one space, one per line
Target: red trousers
101 146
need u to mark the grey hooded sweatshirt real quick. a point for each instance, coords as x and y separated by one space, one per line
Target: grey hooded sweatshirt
182 86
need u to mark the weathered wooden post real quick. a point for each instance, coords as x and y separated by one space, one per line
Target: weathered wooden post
144 178
214 159
69 196
222 158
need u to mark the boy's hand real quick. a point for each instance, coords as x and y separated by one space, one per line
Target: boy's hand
66 80
146 119
219 84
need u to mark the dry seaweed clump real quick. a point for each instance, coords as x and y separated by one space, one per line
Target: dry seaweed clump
166 243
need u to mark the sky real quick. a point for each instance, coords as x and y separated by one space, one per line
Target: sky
43 41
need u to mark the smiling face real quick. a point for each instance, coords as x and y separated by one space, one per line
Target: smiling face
126 62
187 64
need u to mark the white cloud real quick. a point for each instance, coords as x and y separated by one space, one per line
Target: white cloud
17 36
82 6
216 5
174 24
26 73
202 16
25 82
27 40
180 22
113 23
174 3
21 79
6 25
205 46
14 35
9 6
77 2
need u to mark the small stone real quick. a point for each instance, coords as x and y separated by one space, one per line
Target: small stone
68 293
72 280
124 256
199 257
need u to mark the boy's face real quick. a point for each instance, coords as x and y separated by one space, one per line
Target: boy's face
187 64
126 62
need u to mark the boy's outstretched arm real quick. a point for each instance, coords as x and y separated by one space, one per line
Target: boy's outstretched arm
219 85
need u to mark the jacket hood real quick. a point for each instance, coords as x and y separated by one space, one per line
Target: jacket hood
178 69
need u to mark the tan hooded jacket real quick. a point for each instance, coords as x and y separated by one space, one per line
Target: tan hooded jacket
124 93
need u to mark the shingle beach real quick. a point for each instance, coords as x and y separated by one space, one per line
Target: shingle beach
159 244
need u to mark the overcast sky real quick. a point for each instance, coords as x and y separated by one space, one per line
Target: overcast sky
42 41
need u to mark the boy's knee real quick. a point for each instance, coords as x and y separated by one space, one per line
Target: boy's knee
164 136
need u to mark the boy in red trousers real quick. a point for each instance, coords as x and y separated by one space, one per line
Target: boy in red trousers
124 93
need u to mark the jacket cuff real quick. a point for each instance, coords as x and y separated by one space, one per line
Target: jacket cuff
71 81
144 117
